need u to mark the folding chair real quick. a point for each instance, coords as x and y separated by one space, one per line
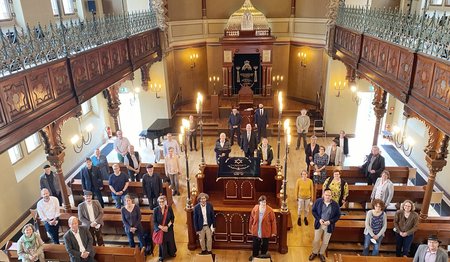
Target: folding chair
319 127
436 198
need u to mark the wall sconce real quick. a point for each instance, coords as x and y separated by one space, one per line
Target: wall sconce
85 139
278 79
355 95
214 80
401 140
154 87
339 86
302 57
193 58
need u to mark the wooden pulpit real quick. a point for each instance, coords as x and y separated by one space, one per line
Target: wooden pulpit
245 102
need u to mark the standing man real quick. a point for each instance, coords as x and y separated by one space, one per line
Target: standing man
173 170
234 122
78 242
248 141
265 152
261 122
343 141
90 214
204 223
101 162
373 166
91 180
222 147
192 132
302 123
431 251
326 213
170 142
133 163
121 145
118 184
152 186
50 181
48 211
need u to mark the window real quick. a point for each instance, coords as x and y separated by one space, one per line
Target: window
15 153
32 142
5 10
67 6
86 107
436 2
55 7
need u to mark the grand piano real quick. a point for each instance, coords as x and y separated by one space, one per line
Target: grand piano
158 129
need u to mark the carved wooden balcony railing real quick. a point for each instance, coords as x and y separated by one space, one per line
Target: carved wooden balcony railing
407 55
48 71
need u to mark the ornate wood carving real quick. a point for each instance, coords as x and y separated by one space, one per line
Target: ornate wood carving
423 76
115 56
231 189
145 76
16 98
393 60
406 65
379 103
93 64
60 80
105 60
112 94
440 91
40 88
79 71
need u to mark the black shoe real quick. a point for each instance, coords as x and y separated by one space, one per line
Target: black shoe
204 252
297 148
306 221
250 258
312 256
209 252
322 258
160 259
299 221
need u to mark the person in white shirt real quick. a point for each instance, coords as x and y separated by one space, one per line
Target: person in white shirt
121 145
48 211
173 170
204 223
170 142
78 242
90 213
132 161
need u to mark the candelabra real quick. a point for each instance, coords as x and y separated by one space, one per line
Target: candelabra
183 137
280 104
339 86
277 79
355 95
199 108
214 80
287 138
302 57
154 87
85 140
402 141
193 58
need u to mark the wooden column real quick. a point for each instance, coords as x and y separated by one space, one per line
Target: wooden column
192 238
283 247
204 9
379 103
215 106
293 8
114 105
145 77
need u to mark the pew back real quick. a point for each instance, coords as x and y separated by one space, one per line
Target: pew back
352 174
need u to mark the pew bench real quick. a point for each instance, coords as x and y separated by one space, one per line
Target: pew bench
351 174
390 217
351 258
102 254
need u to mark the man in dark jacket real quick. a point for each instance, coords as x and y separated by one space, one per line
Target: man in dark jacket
373 166
77 253
50 181
265 152
343 142
91 180
234 122
261 121
248 141
204 229
132 161
326 213
152 186
222 147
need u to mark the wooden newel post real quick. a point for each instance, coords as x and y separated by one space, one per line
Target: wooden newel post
192 237
56 161
379 103
283 247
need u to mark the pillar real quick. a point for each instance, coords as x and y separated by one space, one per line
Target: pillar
192 238
114 105
379 102
145 77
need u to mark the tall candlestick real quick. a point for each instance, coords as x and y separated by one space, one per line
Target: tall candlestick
284 207
280 104
183 141
200 112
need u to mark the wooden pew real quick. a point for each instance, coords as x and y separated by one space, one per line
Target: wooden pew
133 188
361 194
102 254
351 258
351 174
157 169
109 210
390 217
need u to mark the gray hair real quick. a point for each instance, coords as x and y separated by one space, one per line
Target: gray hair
202 195
71 219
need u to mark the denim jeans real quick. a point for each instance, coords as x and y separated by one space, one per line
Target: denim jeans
53 232
140 235
376 247
120 200
403 244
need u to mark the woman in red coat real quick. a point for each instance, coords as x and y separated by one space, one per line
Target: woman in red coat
262 225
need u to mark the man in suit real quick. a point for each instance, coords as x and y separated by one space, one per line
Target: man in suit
78 242
373 166
192 132
234 122
222 147
132 161
343 141
152 186
265 152
50 181
204 228
91 180
90 213
431 251
248 141
261 122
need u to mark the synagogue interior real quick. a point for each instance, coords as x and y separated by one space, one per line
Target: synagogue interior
295 120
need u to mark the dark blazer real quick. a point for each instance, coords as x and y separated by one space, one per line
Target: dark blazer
261 120
83 214
247 145
269 153
345 146
309 153
234 120
93 184
225 149
378 165
441 254
317 213
72 247
152 184
198 216
158 218
43 181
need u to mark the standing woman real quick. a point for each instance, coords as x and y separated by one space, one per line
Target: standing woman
338 187
303 192
320 163
30 246
163 219
131 218
335 153
383 189
405 224
376 223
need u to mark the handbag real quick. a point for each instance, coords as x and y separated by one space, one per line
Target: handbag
157 236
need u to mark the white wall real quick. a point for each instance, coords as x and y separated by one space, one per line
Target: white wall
137 5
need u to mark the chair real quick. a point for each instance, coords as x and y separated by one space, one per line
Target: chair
436 198
319 127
